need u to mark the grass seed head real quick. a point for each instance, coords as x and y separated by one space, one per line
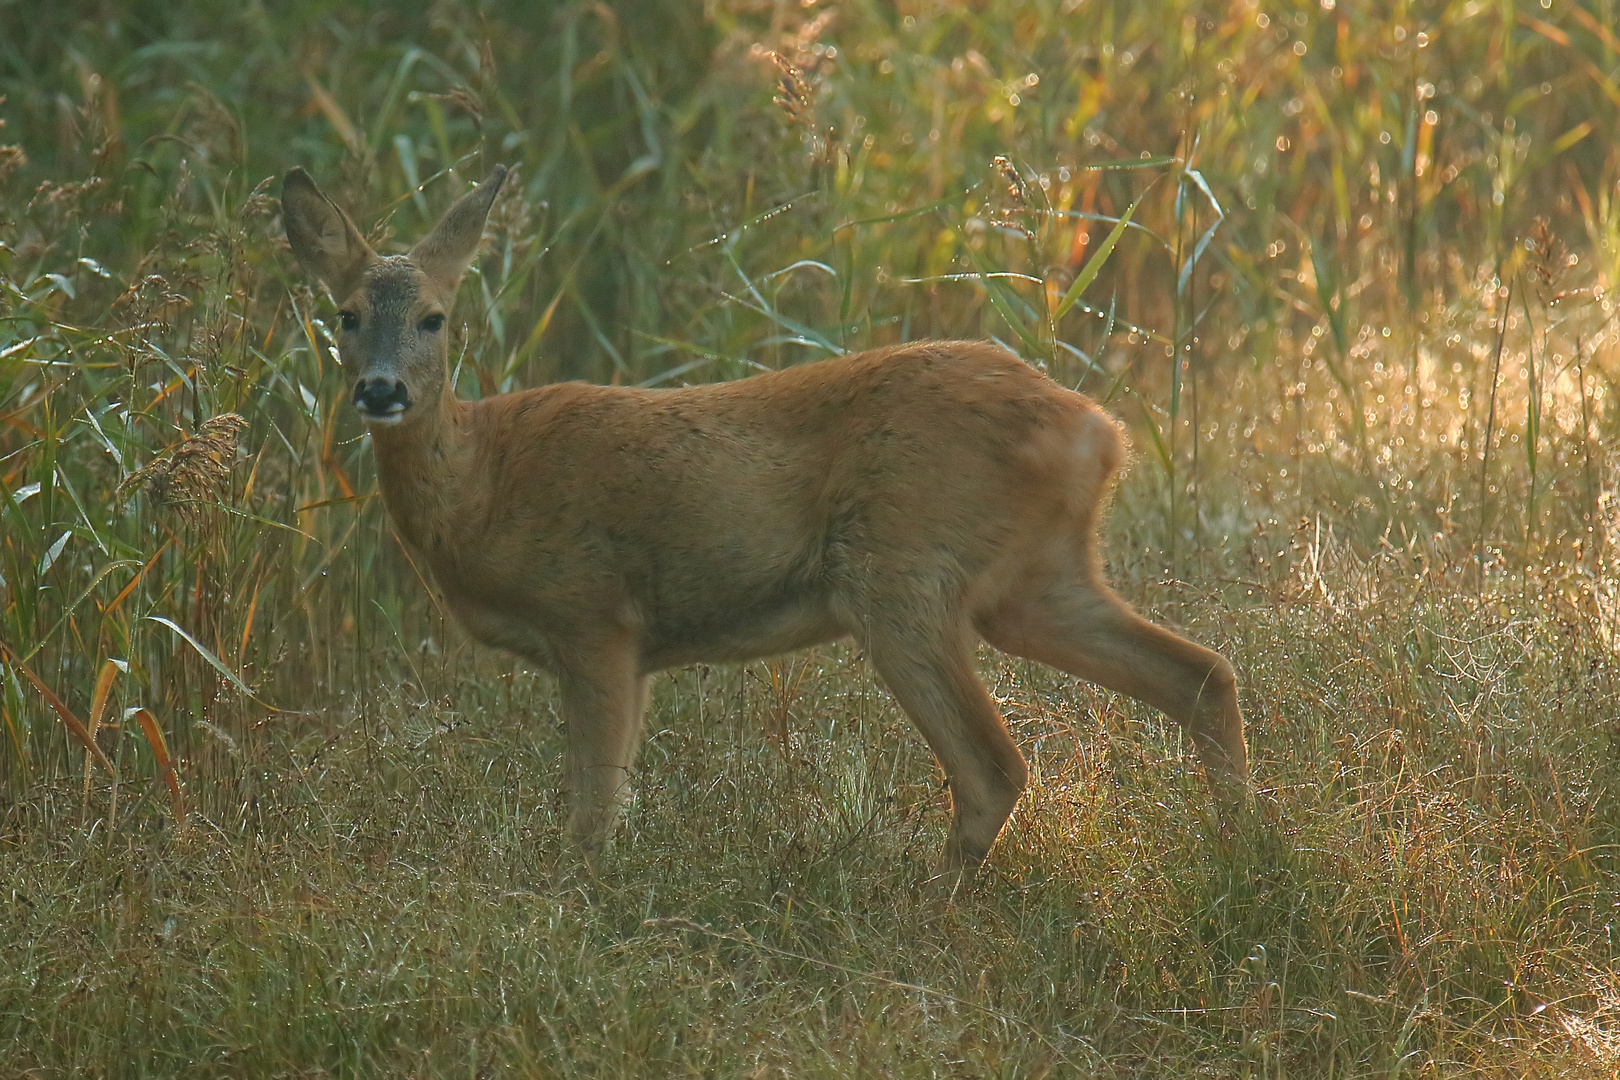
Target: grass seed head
794 94
191 476
797 100
11 156
1549 257
1014 211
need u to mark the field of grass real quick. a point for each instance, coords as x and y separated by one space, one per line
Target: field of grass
1346 271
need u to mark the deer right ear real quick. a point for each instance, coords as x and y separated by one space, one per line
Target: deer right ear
322 237
444 253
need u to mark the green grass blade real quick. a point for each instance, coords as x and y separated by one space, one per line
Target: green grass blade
1098 260
214 662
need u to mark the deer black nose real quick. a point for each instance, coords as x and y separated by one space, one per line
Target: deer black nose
381 398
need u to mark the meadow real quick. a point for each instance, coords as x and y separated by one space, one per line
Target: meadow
1346 272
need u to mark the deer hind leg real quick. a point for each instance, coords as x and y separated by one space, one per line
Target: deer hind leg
1085 629
932 676
603 698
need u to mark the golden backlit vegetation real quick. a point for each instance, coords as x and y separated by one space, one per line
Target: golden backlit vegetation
1347 271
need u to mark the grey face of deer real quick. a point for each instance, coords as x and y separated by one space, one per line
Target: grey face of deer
391 320
391 333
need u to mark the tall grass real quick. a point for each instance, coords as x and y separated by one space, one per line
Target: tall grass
1347 272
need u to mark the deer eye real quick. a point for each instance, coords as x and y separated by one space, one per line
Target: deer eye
432 324
349 320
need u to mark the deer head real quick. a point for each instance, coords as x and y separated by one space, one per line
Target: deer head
392 308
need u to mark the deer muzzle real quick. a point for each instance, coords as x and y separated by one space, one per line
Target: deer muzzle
381 400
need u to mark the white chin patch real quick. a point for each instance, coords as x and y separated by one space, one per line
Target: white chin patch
386 419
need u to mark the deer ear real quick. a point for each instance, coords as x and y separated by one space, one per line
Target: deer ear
444 253
322 237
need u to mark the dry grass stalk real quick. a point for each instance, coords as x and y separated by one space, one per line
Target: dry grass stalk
165 760
98 708
69 721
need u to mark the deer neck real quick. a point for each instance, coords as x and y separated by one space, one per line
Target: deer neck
422 469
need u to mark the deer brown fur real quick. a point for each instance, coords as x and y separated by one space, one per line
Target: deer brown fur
916 498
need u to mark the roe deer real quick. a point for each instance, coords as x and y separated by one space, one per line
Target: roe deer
915 498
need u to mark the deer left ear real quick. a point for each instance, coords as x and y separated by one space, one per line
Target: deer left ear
444 253
323 238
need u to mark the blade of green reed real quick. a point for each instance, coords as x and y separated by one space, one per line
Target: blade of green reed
1099 258
215 662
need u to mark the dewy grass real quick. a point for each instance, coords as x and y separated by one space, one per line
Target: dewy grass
1382 426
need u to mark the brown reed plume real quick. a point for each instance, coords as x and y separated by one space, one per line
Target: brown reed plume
191 475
